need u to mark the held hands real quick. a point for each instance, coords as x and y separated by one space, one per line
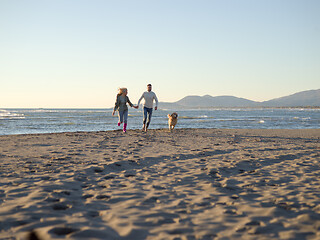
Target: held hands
137 106
113 113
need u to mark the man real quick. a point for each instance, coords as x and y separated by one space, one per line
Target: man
148 96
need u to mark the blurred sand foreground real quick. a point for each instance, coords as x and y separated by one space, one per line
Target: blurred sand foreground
188 184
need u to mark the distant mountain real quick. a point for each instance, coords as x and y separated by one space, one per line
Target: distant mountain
305 98
220 101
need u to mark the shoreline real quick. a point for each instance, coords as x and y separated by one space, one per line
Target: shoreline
176 129
187 184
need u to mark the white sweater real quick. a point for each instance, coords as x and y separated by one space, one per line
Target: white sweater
148 99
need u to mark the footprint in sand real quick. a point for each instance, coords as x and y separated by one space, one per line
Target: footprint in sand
93 214
231 211
102 196
158 187
62 231
60 206
61 192
109 177
52 199
253 223
129 175
86 196
98 170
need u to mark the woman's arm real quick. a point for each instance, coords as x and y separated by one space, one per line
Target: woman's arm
116 105
128 101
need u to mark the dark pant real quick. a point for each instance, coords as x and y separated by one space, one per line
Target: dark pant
147 113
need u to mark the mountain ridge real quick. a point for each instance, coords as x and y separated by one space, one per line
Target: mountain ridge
308 98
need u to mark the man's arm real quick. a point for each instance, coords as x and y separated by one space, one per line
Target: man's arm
142 96
156 99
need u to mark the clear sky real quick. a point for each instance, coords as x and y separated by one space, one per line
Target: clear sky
76 53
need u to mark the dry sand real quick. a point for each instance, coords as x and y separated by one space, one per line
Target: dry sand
188 184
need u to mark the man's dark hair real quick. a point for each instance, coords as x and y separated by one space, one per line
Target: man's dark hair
149 85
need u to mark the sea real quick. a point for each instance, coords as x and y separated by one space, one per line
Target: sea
34 121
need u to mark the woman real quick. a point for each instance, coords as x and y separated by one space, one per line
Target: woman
121 106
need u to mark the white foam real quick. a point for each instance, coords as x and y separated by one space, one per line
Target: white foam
4 114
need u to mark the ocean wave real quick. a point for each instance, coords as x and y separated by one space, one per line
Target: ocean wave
4 114
198 117
233 120
66 110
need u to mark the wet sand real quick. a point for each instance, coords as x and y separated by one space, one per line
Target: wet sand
187 184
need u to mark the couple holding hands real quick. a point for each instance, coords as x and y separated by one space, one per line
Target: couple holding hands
121 106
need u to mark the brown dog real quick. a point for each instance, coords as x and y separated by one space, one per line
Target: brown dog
173 119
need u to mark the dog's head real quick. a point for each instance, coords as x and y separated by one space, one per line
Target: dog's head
173 115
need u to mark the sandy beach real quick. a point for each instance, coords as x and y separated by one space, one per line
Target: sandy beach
185 184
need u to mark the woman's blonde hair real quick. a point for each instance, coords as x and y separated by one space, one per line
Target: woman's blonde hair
122 90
